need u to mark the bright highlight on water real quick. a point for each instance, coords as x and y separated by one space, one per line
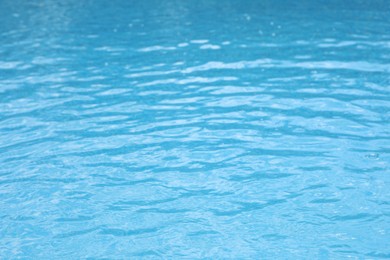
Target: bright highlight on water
198 129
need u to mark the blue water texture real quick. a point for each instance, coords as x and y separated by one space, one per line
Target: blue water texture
196 129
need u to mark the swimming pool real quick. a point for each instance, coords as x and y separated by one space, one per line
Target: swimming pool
194 129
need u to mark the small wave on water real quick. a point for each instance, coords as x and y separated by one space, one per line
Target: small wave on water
197 129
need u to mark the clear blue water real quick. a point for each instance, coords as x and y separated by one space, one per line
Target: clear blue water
194 129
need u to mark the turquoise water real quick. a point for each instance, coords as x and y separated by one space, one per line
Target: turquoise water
194 129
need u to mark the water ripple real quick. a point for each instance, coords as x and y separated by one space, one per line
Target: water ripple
196 129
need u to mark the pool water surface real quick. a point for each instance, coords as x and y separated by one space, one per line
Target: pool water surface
194 129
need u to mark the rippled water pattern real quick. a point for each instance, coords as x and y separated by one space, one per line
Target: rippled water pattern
194 129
